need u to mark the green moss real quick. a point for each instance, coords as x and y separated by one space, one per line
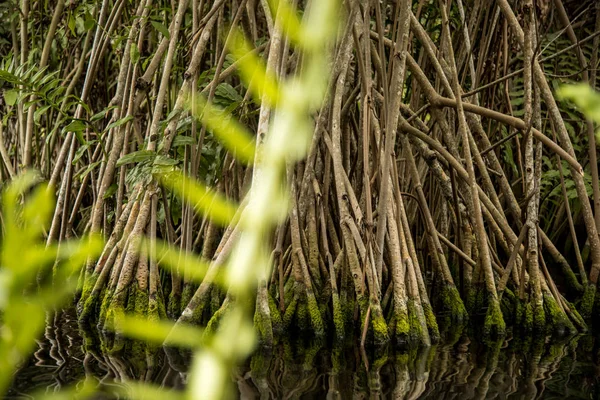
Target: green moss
432 325
276 320
527 324
86 292
337 359
290 311
262 323
186 296
338 317
174 305
539 318
106 296
288 291
88 307
213 323
452 303
587 302
115 309
378 326
215 299
141 301
559 322
415 332
401 327
314 312
494 326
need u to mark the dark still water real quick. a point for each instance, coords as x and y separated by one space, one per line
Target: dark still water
461 368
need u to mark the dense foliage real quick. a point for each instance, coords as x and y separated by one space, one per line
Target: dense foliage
443 180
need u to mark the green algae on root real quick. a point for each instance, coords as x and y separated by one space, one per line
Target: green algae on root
587 302
276 319
432 325
314 312
290 311
263 326
173 305
494 326
416 336
214 321
378 326
452 303
338 317
539 318
559 323
400 327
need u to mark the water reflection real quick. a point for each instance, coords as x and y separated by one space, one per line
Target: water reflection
462 368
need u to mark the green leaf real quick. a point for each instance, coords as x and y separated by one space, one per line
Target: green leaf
230 132
89 169
161 28
134 53
76 126
253 71
11 96
71 24
112 189
102 113
10 78
89 21
173 258
181 140
203 199
227 91
163 160
39 112
136 157
584 97
118 123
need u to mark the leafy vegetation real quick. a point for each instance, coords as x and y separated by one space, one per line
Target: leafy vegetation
369 171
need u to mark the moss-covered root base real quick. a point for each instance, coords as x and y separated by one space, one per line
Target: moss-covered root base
262 320
452 303
587 302
86 294
87 307
539 318
432 325
213 323
494 326
186 296
418 334
558 323
276 319
174 306
378 326
314 312
400 327
288 316
264 328
338 318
